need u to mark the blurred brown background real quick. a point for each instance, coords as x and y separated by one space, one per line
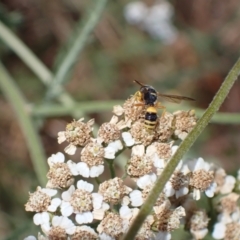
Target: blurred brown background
193 63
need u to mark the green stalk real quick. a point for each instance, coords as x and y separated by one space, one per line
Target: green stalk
52 110
77 47
19 105
183 148
27 56
111 168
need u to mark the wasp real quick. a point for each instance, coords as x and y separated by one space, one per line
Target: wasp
148 96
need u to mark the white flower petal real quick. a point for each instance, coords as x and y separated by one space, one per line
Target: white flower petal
199 234
162 236
66 209
70 149
200 164
135 12
114 119
168 189
112 148
30 238
224 218
56 158
125 212
85 186
146 180
109 152
235 216
158 163
138 150
37 219
96 171
49 192
179 166
45 228
191 165
97 200
211 189
71 229
174 149
73 167
64 223
181 192
125 201
228 185
83 169
118 110
55 203
41 218
86 217
196 194
61 137
68 225
104 236
105 206
151 150
128 139
185 170
117 145
66 195
136 198
219 231
56 221
98 214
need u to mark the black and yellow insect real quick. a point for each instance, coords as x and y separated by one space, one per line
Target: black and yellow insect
148 96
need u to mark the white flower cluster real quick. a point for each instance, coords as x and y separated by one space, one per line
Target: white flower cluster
71 209
228 219
155 20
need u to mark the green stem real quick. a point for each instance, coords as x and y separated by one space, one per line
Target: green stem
19 104
183 148
98 181
27 56
14 43
52 110
111 168
73 54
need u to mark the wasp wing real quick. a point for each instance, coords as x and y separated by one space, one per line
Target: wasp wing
174 98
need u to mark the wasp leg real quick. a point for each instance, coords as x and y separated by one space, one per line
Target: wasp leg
160 106
139 104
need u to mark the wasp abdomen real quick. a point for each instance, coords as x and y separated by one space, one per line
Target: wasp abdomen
150 118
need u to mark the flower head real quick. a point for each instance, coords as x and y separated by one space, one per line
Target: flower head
132 110
110 131
197 223
40 201
77 134
113 190
112 225
165 127
140 134
184 123
167 219
201 178
84 232
60 174
81 201
140 164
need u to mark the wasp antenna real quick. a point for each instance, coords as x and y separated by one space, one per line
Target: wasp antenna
142 85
